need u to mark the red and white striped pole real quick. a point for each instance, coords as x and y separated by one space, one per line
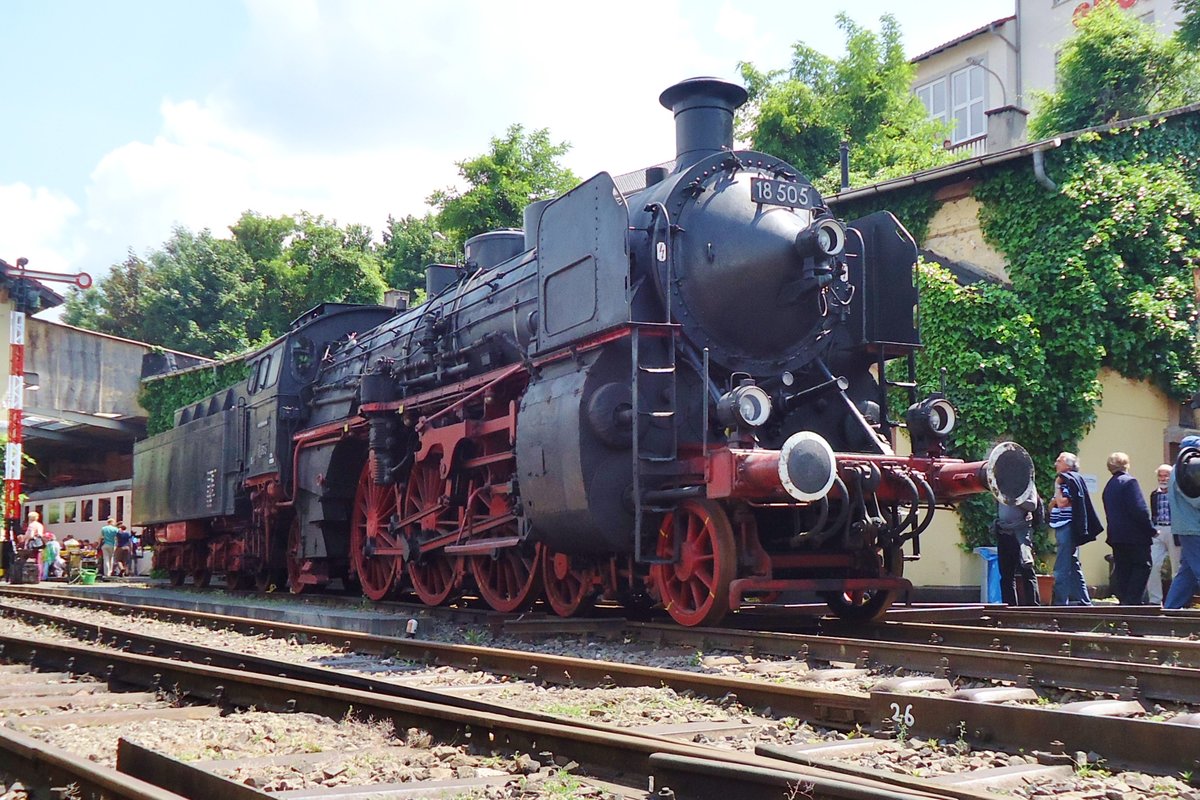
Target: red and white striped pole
18 293
16 411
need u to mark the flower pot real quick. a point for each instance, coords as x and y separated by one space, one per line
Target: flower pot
1045 584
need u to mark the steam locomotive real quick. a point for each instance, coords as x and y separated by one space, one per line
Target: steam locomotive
671 391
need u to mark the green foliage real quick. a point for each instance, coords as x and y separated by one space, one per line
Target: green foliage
411 244
1101 274
162 396
518 169
914 209
802 114
1188 32
1116 67
211 296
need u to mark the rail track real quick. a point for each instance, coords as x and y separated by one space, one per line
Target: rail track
917 706
627 758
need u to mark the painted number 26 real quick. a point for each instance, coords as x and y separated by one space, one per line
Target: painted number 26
906 718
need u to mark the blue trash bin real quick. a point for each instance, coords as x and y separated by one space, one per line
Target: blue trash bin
989 580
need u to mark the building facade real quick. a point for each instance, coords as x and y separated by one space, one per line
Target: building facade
984 83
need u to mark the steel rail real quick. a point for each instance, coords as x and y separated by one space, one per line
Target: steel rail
836 709
1176 684
42 768
1162 748
1133 650
621 754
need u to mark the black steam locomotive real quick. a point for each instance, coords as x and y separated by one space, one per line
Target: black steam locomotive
670 391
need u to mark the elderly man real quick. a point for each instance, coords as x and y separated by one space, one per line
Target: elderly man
1185 523
1075 523
1165 544
1130 531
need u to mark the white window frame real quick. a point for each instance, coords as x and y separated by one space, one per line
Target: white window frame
974 105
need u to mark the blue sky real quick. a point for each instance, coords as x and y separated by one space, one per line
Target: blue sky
124 118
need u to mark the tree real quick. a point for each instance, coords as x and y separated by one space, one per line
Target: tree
333 264
113 306
801 114
409 245
518 169
1188 33
1115 67
199 295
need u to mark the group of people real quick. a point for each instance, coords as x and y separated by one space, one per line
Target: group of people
118 546
1142 535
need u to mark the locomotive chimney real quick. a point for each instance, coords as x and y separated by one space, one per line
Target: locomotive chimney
703 109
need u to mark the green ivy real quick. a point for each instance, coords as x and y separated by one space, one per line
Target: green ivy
914 208
162 396
1101 275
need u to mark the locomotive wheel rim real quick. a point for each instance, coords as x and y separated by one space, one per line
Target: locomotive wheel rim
510 581
567 589
434 575
695 591
295 564
869 605
374 507
432 579
201 578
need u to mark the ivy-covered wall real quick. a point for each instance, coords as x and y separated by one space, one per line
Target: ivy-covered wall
162 396
1101 274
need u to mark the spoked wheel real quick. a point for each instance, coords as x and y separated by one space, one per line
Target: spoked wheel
201 578
870 604
434 575
295 558
511 580
569 589
434 578
374 507
695 589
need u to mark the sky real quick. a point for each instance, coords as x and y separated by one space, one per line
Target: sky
126 118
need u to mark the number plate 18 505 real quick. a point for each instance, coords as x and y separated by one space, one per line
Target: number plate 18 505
780 193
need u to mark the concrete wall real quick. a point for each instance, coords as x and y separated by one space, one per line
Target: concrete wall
82 370
954 234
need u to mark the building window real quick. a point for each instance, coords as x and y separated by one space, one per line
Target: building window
957 100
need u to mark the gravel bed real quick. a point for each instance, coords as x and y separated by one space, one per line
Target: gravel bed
360 751
640 707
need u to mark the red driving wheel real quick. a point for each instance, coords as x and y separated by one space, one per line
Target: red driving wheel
434 575
695 588
568 588
374 507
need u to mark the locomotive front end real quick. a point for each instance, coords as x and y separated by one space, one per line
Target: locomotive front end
790 317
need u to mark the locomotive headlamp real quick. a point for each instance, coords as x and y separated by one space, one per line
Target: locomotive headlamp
831 237
934 416
747 406
825 238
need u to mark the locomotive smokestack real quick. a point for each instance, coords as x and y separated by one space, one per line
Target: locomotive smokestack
703 109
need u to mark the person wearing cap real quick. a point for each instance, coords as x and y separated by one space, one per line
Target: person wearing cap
1165 544
1130 531
1185 523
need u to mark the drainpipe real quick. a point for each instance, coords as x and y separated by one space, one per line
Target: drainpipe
1039 168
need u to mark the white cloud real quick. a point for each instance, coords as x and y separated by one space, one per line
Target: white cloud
34 223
